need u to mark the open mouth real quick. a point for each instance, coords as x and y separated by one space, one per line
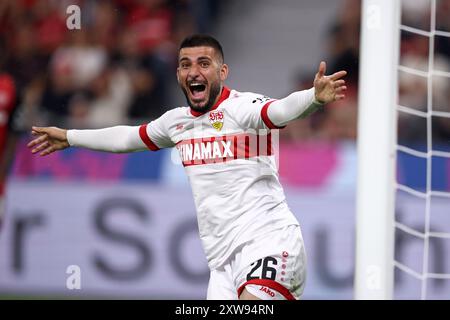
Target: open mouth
197 90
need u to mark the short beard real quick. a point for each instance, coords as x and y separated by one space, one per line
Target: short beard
213 94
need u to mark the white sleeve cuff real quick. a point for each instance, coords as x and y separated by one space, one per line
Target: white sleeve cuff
69 135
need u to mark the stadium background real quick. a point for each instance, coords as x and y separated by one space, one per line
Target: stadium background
128 221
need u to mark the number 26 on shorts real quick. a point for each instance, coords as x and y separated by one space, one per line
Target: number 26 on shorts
263 267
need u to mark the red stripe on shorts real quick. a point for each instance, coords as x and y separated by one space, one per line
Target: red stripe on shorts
272 284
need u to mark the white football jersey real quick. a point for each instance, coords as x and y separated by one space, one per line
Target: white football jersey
228 154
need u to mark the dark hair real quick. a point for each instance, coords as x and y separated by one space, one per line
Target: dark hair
200 40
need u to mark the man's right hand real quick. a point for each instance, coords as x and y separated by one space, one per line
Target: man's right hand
49 140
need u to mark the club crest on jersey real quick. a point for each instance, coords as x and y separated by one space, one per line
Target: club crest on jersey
216 119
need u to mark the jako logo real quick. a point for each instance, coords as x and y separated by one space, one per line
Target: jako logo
268 291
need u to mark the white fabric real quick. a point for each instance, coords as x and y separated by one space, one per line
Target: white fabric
236 200
287 259
297 105
115 139
221 285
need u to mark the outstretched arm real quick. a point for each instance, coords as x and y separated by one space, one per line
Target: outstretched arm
303 103
117 139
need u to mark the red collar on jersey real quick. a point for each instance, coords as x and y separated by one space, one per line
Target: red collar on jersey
223 96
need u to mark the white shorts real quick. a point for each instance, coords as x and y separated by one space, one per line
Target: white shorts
271 267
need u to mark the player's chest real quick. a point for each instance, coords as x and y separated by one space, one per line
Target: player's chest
215 123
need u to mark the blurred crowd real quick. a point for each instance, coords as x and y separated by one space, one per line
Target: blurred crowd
116 69
338 121
119 67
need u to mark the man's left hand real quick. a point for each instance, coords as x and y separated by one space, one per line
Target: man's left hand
329 88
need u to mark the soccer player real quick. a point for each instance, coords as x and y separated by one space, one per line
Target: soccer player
253 242
7 133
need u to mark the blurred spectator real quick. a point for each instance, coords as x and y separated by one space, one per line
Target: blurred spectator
9 127
49 26
201 13
148 99
148 74
111 95
152 23
24 61
105 24
338 120
344 40
81 61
